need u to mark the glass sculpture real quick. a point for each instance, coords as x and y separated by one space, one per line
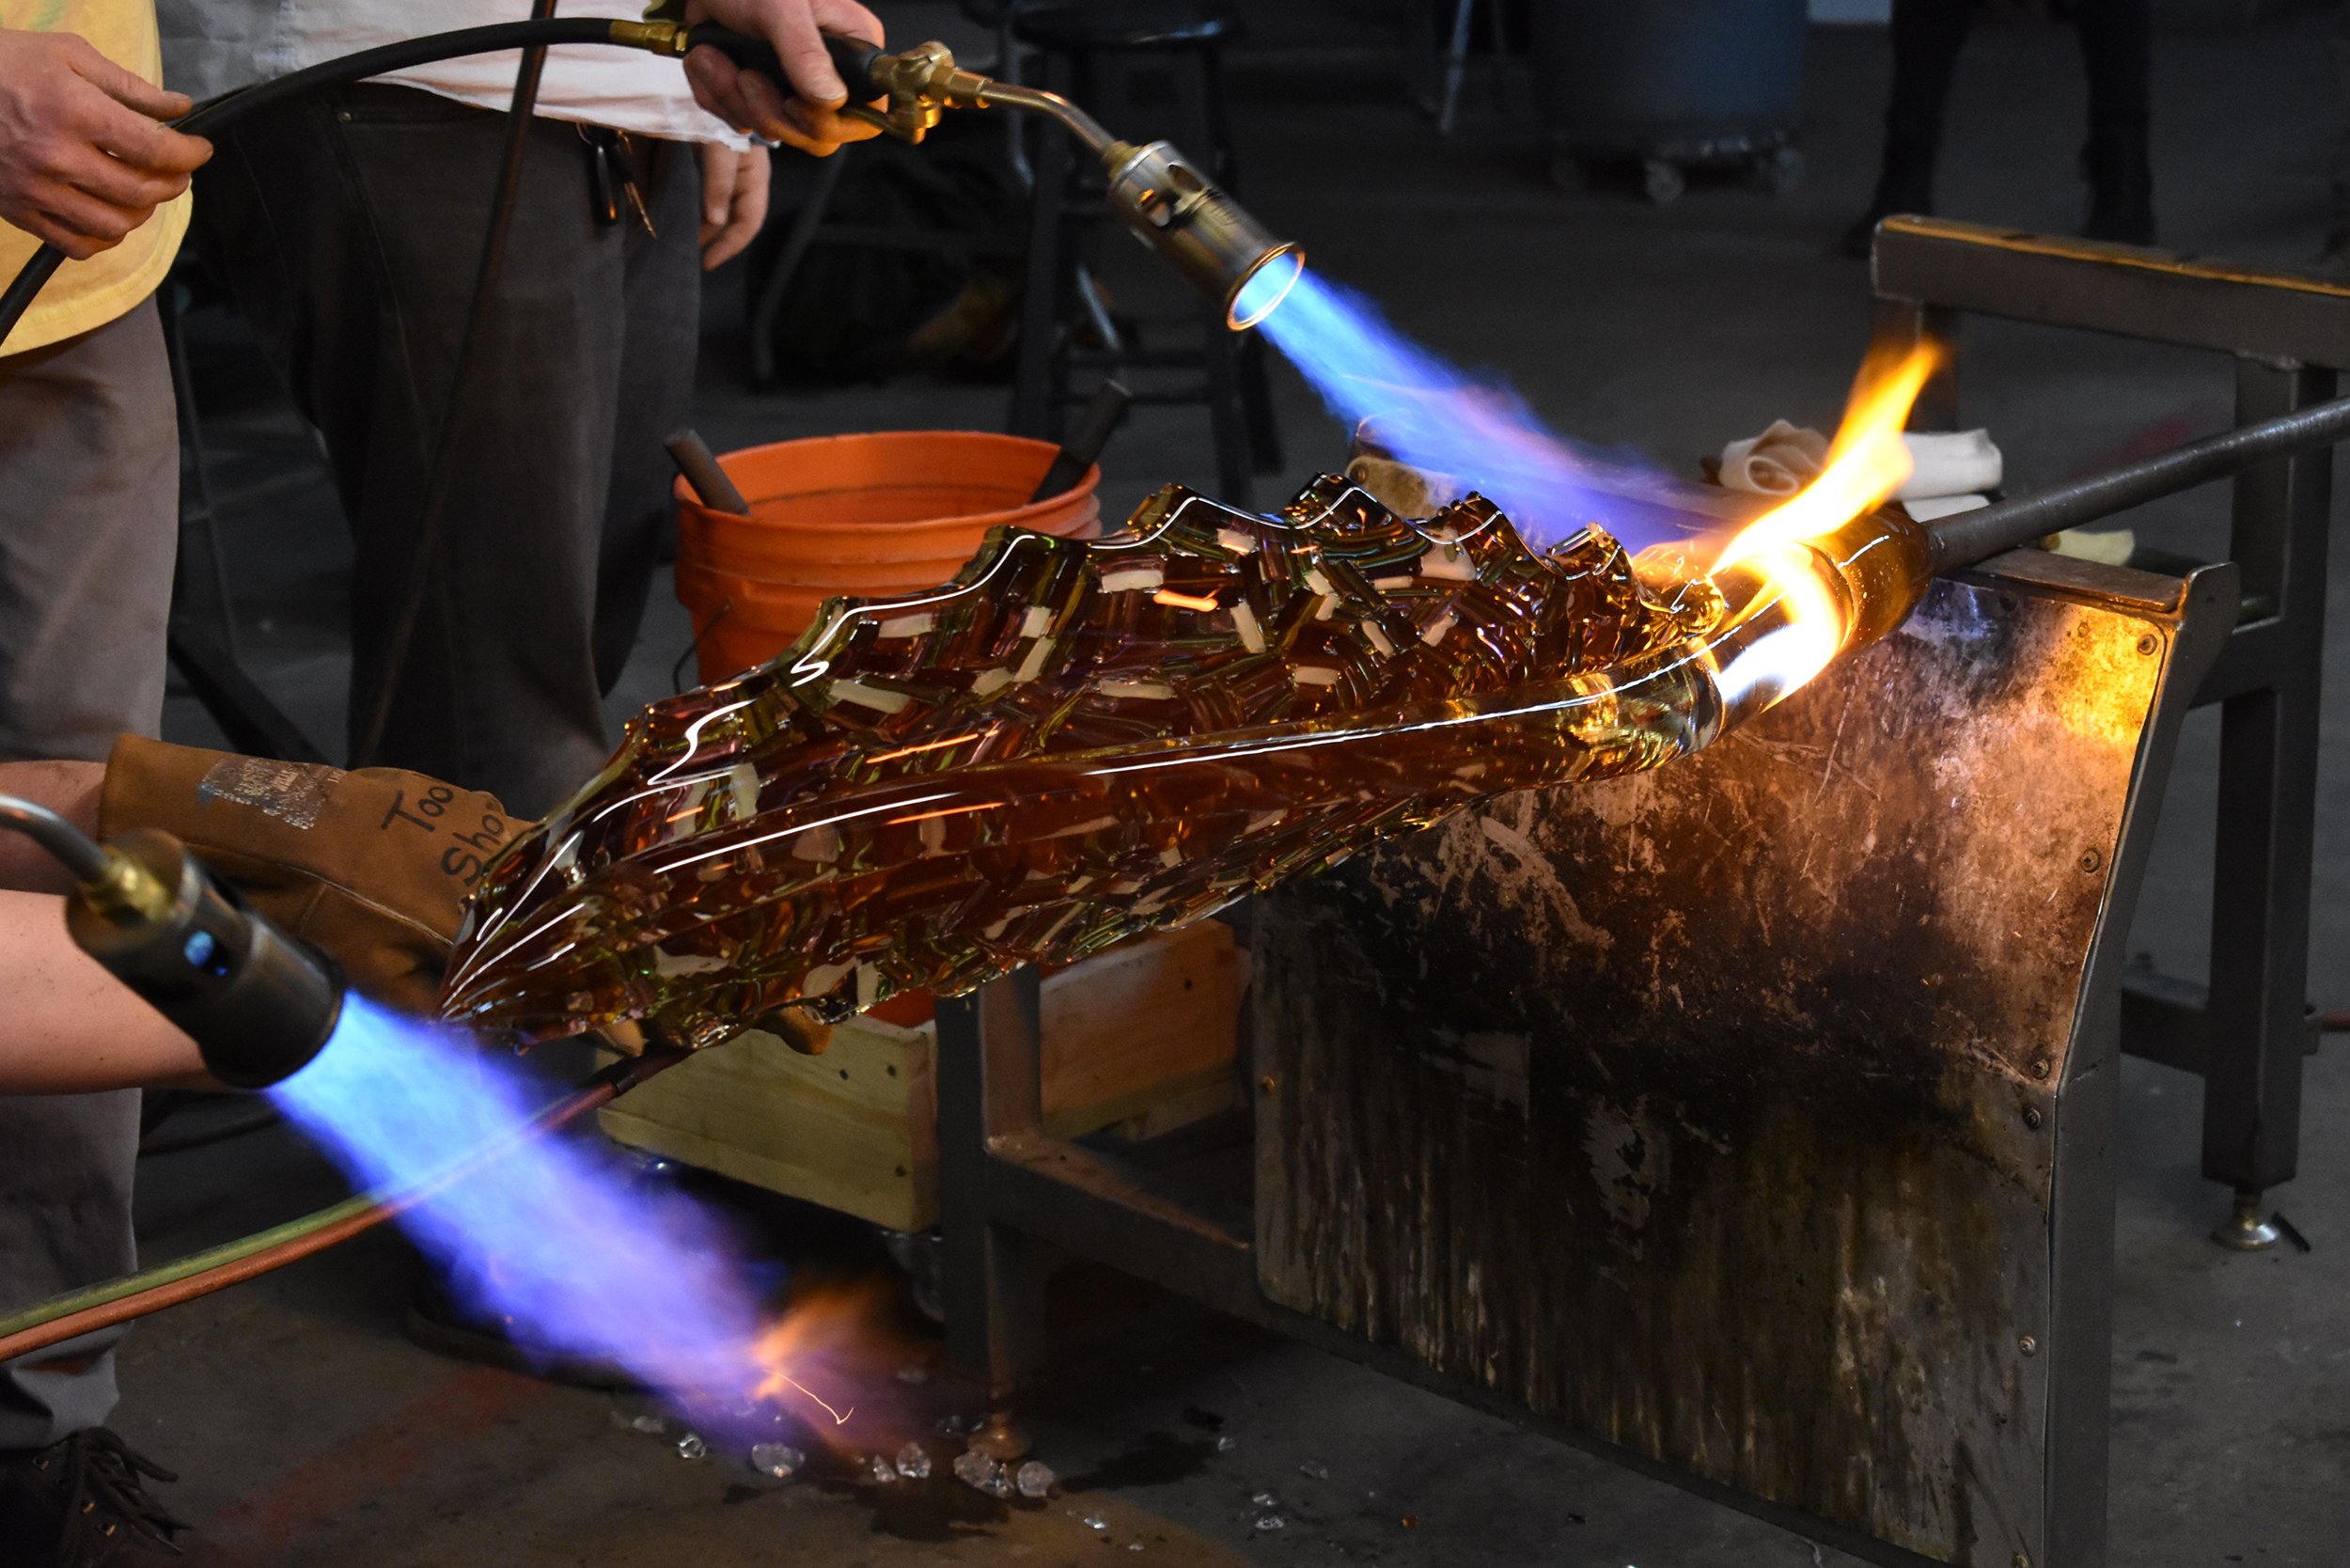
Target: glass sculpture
1075 742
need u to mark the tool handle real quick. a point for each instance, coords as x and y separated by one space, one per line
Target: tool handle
703 476
853 57
1092 432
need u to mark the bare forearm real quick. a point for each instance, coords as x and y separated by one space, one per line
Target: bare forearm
71 1027
69 789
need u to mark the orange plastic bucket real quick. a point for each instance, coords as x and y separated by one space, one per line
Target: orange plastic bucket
867 516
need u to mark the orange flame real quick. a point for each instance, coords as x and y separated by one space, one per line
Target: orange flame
827 1337
1867 462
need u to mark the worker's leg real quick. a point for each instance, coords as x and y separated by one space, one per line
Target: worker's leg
2336 254
351 229
661 304
89 480
1927 36
2116 52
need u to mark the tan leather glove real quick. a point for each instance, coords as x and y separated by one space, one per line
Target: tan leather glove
374 866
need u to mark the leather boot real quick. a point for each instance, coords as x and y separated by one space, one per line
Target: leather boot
1904 184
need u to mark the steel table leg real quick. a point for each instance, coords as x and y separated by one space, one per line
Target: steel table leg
989 1075
2259 1028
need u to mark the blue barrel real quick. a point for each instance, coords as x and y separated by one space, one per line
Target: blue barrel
1671 78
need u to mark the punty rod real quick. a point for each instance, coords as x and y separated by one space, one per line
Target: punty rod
1971 536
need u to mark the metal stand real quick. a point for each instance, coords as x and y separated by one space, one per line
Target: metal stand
2247 1033
2244 1229
1524 1136
1498 1157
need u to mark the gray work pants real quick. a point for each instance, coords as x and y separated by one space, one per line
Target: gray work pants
89 485
348 225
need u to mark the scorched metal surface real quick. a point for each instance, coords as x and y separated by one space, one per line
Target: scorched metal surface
1714 1111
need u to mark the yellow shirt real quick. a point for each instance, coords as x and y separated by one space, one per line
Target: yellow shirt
85 295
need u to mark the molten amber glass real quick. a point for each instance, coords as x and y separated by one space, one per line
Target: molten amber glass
1076 742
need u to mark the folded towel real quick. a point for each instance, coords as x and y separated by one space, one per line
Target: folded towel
1403 490
1950 463
2113 546
1779 461
1785 458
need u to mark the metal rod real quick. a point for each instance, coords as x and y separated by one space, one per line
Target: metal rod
1011 95
1971 537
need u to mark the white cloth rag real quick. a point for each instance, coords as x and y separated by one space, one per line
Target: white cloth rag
1785 458
1779 461
1950 463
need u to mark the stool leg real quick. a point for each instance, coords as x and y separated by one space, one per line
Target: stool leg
1225 409
1045 279
777 283
1256 396
1455 65
1240 393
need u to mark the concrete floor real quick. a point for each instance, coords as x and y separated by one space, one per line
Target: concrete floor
309 1430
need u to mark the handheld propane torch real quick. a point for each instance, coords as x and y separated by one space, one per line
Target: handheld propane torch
258 1003
1172 208
1165 198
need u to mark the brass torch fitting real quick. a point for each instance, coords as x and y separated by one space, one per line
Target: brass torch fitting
660 36
127 894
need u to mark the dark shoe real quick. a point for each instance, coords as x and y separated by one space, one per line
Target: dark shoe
1904 184
2335 256
2121 188
83 1502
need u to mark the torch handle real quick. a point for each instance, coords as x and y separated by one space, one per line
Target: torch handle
853 57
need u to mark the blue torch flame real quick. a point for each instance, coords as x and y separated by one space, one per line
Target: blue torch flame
1437 417
547 1236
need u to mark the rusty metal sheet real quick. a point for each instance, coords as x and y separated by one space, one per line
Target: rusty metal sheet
1711 1110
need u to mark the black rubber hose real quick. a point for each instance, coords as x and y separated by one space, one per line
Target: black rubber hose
853 57
219 114
441 470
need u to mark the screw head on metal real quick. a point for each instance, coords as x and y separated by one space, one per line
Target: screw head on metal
1265 1083
2042 1067
2090 861
2031 1116
2028 1346
2022 1559
2148 643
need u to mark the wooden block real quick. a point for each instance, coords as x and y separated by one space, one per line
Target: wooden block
852 1129
1146 1020
1143 1036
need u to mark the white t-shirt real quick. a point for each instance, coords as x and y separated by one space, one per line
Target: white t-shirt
214 46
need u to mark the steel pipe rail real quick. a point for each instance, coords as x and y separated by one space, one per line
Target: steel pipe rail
1968 537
